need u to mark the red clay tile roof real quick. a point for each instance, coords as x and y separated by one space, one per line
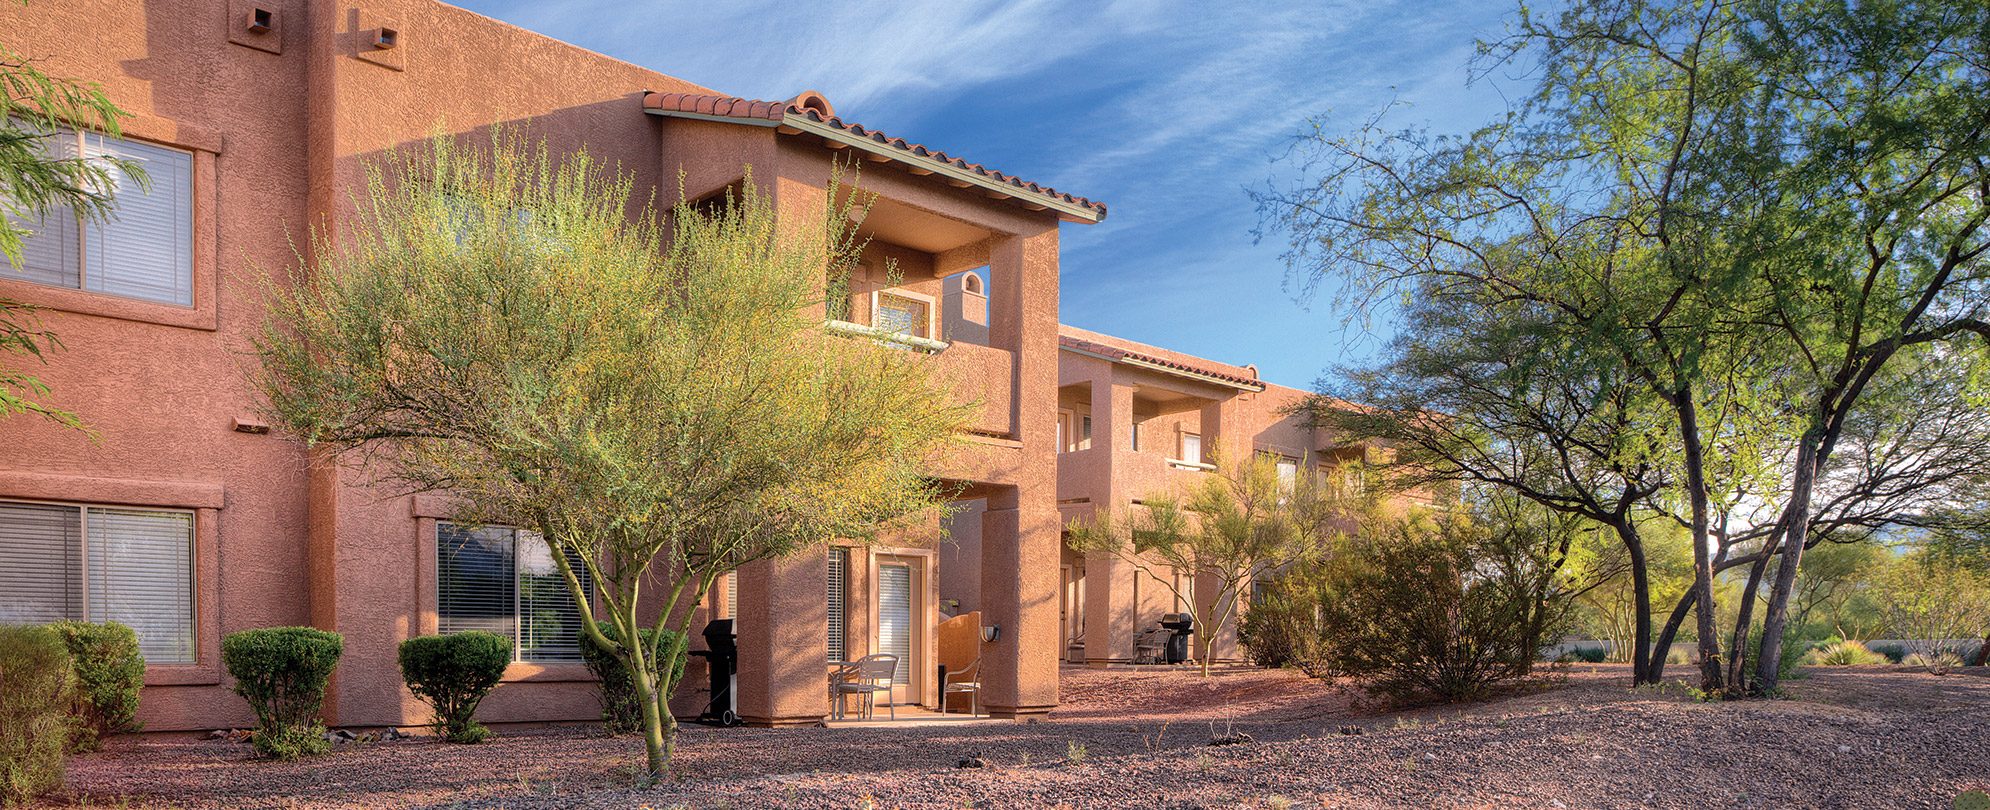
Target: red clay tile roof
814 108
1116 353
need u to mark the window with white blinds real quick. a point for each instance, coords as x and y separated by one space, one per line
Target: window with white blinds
839 574
99 564
732 595
142 249
504 581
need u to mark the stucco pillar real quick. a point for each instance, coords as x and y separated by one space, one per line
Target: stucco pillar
783 626
1223 428
1109 609
1021 541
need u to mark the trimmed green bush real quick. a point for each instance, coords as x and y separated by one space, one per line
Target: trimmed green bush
1843 654
621 711
282 671
37 683
1586 655
453 673
109 672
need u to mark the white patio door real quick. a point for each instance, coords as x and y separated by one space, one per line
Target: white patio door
898 627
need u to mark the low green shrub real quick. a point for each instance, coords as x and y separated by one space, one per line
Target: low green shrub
621 709
1842 654
1678 657
109 671
1586 655
37 684
453 673
1893 652
282 671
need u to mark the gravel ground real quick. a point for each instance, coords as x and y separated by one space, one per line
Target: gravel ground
1856 737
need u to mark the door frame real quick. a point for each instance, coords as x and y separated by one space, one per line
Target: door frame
923 688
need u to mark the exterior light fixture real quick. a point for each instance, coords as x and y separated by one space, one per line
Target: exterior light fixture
990 632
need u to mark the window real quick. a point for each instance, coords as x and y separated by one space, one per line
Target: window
732 595
504 581
143 249
839 572
1288 474
1191 448
100 564
903 313
1136 437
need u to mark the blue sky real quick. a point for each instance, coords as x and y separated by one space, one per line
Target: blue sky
1163 110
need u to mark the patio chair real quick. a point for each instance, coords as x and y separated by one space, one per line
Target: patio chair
1150 646
971 685
868 676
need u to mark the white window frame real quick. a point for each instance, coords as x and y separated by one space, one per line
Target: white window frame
183 274
83 550
932 310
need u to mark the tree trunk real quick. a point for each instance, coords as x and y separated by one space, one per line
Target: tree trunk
654 743
1641 653
1768 668
1671 631
1703 568
1982 652
1744 617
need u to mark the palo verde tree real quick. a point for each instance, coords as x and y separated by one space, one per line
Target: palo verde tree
1228 529
653 396
38 181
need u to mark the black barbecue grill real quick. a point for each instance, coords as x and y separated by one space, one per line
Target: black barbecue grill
721 656
1183 625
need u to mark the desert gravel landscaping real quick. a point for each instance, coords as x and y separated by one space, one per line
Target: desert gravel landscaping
1854 737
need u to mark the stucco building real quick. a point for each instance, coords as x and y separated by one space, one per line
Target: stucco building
1134 421
187 519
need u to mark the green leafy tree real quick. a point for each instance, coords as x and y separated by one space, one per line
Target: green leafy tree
1724 221
662 404
1227 530
37 181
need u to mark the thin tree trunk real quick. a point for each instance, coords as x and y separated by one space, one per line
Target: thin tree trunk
1703 568
1768 668
1982 652
1670 631
1744 617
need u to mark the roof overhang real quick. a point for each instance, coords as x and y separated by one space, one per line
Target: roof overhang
818 121
1172 371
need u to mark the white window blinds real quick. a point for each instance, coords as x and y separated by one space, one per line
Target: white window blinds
133 566
140 566
839 570
43 546
732 595
143 249
504 581
895 617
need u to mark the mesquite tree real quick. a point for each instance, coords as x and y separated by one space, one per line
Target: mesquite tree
654 395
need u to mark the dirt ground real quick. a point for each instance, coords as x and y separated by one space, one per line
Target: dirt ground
1851 737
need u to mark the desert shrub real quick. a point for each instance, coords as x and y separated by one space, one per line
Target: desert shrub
621 711
1842 654
109 672
1893 652
1678 657
282 671
1441 606
1282 628
37 684
1587 655
453 673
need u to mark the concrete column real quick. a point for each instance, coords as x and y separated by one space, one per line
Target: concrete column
783 626
1109 609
